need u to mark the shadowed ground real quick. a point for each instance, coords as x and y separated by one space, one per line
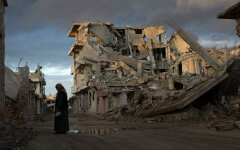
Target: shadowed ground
100 134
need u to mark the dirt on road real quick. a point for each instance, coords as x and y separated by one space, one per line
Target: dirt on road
89 132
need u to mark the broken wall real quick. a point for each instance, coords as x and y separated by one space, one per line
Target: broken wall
102 105
177 43
117 100
92 101
12 83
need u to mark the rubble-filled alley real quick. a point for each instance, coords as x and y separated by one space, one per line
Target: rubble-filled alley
24 102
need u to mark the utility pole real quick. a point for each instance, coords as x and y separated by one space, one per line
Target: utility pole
3 4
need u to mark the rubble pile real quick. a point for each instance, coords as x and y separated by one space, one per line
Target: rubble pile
14 112
217 117
12 137
25 93
227 122
235 113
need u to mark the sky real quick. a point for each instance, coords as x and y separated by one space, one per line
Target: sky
36 30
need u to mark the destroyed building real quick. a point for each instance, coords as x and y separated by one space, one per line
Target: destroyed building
39 82
24 93
123 66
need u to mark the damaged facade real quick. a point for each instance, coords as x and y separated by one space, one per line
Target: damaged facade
24 94
39 82
116 66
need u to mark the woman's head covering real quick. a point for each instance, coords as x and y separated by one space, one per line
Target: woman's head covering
60 87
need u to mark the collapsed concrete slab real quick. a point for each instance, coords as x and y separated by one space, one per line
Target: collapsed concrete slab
232 12
12 83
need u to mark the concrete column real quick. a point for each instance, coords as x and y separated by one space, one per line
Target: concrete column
226 56
140 68
176 71
2 59
98 69
197 66
171 84
203 67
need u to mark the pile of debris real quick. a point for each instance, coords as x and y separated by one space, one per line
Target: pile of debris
24 94
12 137
230 120
135 71
221 117
14 112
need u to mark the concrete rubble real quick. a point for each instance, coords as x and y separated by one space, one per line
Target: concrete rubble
138 71
12 137
12 83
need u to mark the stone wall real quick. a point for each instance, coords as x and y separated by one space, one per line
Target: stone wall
27 96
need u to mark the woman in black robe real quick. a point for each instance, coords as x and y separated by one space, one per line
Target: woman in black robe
61 125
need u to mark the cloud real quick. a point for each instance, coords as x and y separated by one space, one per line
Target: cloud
199 14
15 13
42 47
209 42
57 71
202 4
36 30
63 12
52 80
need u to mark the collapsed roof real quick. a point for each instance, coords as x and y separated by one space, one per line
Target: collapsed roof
232 12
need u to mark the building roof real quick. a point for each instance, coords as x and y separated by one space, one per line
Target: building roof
5 3
51 97
231 13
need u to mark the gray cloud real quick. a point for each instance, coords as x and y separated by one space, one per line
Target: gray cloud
62 13
200 14
197 15
36 30
41 47
15 13
66 81
32 17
